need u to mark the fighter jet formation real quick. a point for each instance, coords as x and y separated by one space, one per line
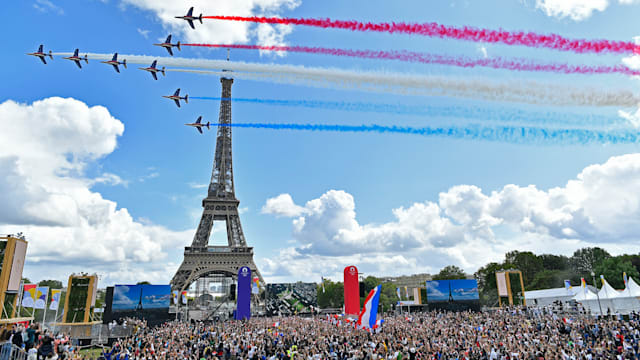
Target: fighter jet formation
114 61
190 18
168 45
41 54
77 58
199 125
152 69
176 97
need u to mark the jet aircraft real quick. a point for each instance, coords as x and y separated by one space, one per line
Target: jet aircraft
41 54
199 125
115 62
168 45
176 97
153 70
77 58
190 18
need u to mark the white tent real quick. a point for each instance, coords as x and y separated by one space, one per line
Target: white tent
627 299
585 295
607 294
588 299
546 297
607 291
611 300
632 288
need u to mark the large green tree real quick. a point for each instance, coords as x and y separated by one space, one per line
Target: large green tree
332 296
634 259
527 262
52 284
585 260
450 272
612 269
369 283
554 262
547 279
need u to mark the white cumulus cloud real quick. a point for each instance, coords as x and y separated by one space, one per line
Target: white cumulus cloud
46 195
576 10
212 31
282 205
468 227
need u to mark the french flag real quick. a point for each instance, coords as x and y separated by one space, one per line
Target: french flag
369 314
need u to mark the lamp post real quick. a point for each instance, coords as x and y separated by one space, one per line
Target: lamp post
593 276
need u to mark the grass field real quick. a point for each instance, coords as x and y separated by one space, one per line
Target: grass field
91 353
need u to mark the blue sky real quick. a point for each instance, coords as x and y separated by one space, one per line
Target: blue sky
122 197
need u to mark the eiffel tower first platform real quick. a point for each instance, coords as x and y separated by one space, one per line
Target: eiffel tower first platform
200 259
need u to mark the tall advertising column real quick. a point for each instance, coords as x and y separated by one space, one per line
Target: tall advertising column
243 302
351 291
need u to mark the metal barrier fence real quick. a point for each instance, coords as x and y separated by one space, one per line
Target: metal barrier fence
8 351
98 333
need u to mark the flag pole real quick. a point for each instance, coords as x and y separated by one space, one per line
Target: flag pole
20 298
55 318
44 316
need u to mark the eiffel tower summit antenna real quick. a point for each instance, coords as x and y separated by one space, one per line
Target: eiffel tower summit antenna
201 259
228 57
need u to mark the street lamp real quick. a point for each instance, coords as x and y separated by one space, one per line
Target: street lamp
593 276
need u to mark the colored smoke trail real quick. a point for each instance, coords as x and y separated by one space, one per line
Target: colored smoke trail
530 92
517 135
426 58
501 114
530 39
510 91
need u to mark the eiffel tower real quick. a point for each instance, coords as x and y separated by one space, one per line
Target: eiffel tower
201 259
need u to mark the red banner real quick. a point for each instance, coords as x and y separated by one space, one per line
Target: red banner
351 291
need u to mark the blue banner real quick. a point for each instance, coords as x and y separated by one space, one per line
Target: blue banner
243 304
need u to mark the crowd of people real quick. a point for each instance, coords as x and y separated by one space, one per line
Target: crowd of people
37 343
504 334
495 335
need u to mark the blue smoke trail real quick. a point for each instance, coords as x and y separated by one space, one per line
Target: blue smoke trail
490 114
509 134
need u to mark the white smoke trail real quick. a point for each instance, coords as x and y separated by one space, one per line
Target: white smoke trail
513 91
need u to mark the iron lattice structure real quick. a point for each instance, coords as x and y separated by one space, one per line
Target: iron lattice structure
201 259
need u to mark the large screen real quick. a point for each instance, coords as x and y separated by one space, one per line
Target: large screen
140 297
464 290
149 302
290 299
453 295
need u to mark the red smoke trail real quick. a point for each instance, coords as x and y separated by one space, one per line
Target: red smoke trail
495 63
551 41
